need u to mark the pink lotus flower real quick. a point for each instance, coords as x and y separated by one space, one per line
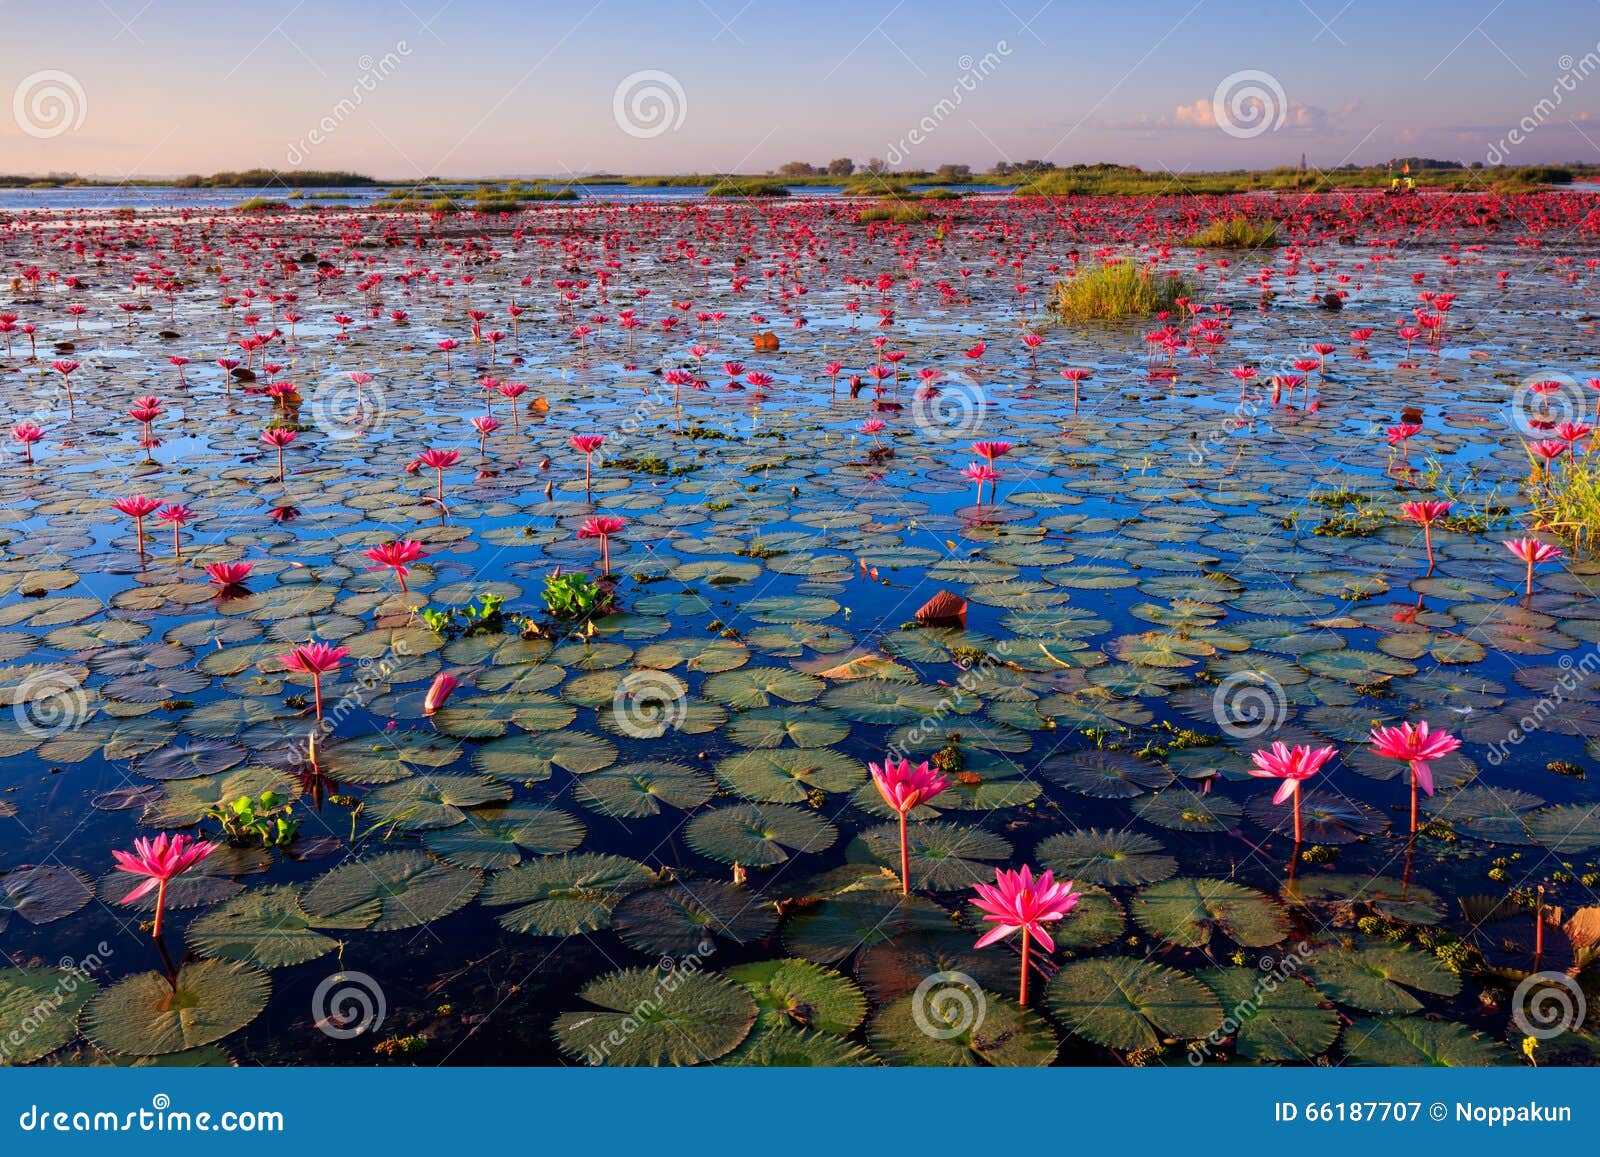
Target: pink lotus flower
1532 551
603 526
161 861
1417 746
904 787
989 451
980 473
27 433
1425 514
278 437
397 556
439 690
176 517
587 444
316 660
485 426
440 461
138 508
1292 765
229 574
1017 902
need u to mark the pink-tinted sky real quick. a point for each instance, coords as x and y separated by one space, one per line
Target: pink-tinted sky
408 88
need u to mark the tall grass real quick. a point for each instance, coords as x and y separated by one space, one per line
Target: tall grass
747 188
1235 233
1117 290
1566 498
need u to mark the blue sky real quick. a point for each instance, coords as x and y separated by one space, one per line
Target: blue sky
469 87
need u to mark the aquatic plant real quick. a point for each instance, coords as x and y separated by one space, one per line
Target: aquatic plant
1417 746
397 556
603 527
905 787
1292 766
1532 552
1235 233
316 660
1117 290
1018 902
160 860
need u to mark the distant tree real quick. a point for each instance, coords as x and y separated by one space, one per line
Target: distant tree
954 172
841 167
875 165
797 169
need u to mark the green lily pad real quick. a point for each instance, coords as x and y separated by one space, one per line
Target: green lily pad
1409 1040
758 835
1106 856
144 1015
1188 911
388 892
1124 1003
564 895
680 918
798 993
263 926
39 1011
1376 978
1272 1016
960 1026
646 1016
494 837
789 774
944 856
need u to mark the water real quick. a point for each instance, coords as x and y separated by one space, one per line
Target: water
1162 589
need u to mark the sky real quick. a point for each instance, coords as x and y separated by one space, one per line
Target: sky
470 88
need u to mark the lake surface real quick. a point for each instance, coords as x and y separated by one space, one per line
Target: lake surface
665 818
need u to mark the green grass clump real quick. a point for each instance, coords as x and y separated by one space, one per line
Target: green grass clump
742 188
899 214
1567 498
1117 290
1235 233
262 205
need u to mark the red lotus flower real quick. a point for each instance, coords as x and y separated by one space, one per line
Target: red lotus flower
1532 551
1425 514
160 861
1292 765
27 433
603 526
1017 902
316 660
397 556
1417 746
903 787
229 574
138 508
438 691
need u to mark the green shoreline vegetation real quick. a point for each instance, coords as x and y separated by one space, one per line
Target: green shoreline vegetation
1029 178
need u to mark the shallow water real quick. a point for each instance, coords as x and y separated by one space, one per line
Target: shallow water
1151 569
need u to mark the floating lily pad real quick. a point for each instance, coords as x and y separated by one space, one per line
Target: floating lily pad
1125 1003
43 895
944 856
1272 1015
1189 911
263 926
759 835
798 993
388 892
961 1026
1408 1040
144 1015
1379 977
495 837
1104 856
564 895
646 1016
637 790
789 774
39 1011
682 917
